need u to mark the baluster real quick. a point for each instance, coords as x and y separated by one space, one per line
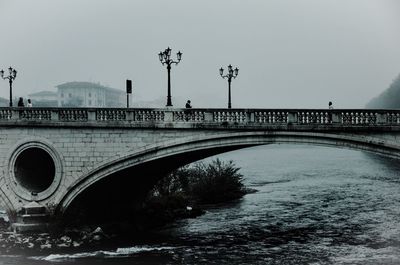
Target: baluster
364 118
303 118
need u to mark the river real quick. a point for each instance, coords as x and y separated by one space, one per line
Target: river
313 205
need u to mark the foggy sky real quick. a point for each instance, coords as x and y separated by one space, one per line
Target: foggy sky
291 54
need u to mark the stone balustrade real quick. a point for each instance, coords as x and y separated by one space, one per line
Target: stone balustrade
345 117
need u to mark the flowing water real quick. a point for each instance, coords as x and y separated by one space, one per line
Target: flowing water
314 205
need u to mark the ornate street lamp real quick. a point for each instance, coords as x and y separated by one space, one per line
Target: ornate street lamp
165 58
231 74
12 75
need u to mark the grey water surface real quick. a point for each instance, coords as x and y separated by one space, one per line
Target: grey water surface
313 205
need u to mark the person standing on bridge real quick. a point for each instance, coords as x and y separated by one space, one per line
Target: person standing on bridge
29 105
187 111
188 105
21 102
330 106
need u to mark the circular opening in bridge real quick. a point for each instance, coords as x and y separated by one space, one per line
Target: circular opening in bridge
34 169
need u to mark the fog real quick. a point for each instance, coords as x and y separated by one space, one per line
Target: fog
291 54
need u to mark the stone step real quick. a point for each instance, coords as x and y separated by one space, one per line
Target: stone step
33 208
33 218
30 228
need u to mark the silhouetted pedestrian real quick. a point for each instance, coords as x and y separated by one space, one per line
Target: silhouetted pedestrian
188 105
330 106
21 102
188 113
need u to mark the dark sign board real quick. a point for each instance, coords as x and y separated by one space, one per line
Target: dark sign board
129 86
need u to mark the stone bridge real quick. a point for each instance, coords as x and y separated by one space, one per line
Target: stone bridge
52 156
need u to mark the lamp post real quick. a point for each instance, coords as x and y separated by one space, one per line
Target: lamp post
165 58
231 74
12 75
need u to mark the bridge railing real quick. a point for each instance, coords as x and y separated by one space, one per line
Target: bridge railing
365 117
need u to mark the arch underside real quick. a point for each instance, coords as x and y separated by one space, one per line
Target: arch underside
149 164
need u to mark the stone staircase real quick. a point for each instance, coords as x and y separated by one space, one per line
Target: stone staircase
32 218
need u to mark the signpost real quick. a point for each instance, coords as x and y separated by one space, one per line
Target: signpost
128 91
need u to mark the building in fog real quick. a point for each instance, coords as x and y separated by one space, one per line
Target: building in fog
44 99
87 94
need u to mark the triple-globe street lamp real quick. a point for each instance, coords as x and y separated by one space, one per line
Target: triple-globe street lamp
12 75
165 58
231 74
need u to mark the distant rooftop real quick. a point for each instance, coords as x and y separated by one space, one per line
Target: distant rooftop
43 93
77 84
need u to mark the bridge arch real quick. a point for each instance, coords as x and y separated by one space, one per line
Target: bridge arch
187 150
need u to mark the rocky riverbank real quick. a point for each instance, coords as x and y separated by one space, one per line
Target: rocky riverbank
11 242
89 236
